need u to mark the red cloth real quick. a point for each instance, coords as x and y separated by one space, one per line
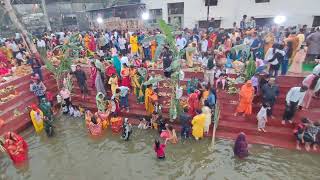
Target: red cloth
193 102
110 71
160 151
93 75
19 156
92 44
126 81
116 125
49 96
212 40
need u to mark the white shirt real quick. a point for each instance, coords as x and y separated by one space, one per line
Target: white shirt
316 70
107 37
124 60
41 43
204 45
19 56
269 55
122 43
181 43
295 95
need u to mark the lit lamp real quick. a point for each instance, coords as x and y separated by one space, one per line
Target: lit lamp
145 16
279 19
99 20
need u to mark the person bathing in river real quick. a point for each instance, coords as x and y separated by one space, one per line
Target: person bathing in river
169 134
198 123
16 147
126 130
207 112
185 121
159 149
240 148
37 118
95 127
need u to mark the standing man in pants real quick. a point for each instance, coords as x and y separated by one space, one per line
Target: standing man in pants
293 99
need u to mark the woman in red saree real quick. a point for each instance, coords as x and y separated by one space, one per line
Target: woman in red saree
246 96
93 74
125 75
16 147
193 102
92 44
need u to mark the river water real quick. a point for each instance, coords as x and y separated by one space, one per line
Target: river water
73 155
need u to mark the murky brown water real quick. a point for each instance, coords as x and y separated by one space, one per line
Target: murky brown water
73 155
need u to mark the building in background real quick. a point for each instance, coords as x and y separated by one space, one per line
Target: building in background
189 13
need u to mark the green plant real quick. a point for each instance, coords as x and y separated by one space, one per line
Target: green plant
70 51
166 38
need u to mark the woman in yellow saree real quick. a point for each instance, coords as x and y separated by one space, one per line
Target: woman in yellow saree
148 100
153 48
134 44
86 41
198 123
37 118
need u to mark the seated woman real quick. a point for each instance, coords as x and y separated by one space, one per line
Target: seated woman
310 136
16 147
95 127
88 115
116 123
37 118
240 148
299 131
104 116
169 134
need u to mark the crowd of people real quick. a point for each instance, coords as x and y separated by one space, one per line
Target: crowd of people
121 64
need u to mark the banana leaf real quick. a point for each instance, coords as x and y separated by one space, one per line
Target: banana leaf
153 81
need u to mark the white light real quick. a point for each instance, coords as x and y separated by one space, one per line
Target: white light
99 20
279 19
145 16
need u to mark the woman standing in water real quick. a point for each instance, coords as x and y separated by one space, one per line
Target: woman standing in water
240 148
16 147
159 149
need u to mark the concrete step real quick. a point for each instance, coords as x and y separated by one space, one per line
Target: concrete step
283 133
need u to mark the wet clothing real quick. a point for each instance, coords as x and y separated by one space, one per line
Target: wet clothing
185 120
160 151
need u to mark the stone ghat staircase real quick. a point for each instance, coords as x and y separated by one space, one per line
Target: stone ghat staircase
277 134
13 112
229 126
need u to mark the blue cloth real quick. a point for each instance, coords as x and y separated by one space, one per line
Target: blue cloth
124 102
284 66
211 100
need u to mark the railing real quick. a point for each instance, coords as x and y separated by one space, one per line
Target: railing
215 121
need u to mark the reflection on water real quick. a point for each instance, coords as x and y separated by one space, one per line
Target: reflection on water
73 155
